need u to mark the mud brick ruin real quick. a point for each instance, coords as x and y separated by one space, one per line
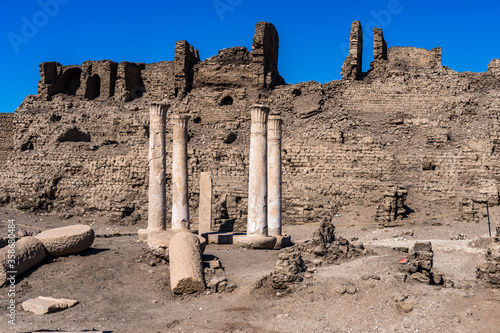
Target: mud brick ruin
80 146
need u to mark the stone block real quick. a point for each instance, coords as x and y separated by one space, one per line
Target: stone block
422 246
43 305
256 242
67 240
186 264
29 253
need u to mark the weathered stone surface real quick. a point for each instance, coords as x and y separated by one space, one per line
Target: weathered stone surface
274 179
392 208
67 240
205 209
256 242
29 252
180 191
494 66
159 242
186 264
308 105
43 305
257 183
419 265
352 68
265 56
408 127
157 198
488 270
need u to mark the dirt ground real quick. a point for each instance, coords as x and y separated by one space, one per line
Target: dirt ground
120 289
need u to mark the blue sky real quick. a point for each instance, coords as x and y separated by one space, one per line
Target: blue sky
313 35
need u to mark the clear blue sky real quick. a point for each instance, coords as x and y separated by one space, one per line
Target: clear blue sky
313 35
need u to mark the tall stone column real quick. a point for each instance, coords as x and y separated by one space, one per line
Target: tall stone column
274 174
180 200
157 165
257 184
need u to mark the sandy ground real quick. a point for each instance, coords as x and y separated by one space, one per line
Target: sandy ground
120 289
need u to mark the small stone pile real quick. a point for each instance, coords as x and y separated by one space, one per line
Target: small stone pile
468 212
288 271
419 265
392 207
488 270
326 248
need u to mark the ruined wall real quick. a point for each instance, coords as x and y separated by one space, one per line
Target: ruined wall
494 66
184 60
7 133
231 67
265 56
427 129
352 68
406 58
158 79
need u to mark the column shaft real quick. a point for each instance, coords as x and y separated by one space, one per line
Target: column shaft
157 195
274 195
257 184
180 196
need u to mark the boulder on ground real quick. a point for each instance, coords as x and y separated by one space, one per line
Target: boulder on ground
29 252
43 305
67 240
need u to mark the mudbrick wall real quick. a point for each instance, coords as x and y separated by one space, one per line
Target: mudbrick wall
6 136
409 122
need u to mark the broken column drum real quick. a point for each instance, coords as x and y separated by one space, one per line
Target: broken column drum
274 174
157 166
257 184
180 200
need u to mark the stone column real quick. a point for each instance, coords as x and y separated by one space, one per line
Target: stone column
180 200
157 195
274 174
205 207
257 184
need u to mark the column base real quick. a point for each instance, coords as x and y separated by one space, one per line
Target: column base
143 234
255 242
217 237
282 241
159 240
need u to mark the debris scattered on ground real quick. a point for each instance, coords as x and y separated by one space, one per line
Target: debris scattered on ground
43 305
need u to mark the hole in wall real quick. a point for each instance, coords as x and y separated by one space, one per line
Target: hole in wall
93 89
228 100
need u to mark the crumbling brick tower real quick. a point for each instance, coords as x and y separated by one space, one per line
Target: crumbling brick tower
352 69
265 56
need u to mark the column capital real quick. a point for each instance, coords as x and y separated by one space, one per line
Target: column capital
158 109
259 114
274 123
180 120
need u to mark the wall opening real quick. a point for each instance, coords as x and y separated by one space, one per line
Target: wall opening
93 89
228 100
69 82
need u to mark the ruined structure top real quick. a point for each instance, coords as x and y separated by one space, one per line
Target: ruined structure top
82 141
352 65
167 79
